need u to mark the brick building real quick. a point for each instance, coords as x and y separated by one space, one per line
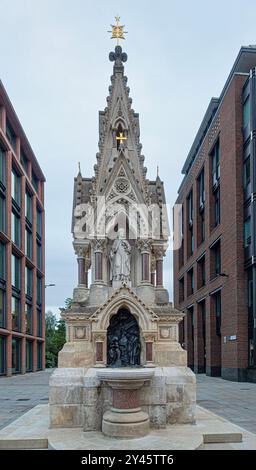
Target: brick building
21 248
214 268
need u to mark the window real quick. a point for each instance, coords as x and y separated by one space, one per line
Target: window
247 174
39 222
35 181
10 134
38 255
15 272
215 155
190 224
39 321
190 208
201 189
2 287
217 207
16 355
217 306
29 207
2 355
2 213
2 166
23 160
39 290
29 318
39 355
181 290
28 244
28 281
29 356
246 112
16 187
2 261
201 208
16 314
201 272
247 232
190 281
2 308
215 260
15 226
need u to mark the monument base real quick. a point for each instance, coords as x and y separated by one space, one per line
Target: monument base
79 398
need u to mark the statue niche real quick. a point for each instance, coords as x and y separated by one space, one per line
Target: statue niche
123 340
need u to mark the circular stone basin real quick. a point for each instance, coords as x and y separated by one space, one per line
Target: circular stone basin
125 418
125 374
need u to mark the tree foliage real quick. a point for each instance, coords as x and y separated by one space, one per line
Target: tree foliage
55 336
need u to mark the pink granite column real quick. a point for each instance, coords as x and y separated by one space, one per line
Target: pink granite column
98 266
81 270
145 267
159 272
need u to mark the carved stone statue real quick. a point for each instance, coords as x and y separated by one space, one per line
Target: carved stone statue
123 345
120 261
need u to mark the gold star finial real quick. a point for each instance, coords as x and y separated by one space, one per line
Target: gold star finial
117 30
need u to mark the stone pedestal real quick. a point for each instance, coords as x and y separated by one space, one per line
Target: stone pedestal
125 418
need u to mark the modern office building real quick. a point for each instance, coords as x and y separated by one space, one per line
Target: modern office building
215 266
21 248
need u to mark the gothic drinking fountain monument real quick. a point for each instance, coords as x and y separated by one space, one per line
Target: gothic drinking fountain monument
122 370
122 380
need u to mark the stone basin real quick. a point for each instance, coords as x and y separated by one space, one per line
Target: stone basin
125 419
121 375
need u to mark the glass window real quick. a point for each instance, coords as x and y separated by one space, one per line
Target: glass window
2 261
246 112
190 208
29 207
15 187
247 232
201 189
2 355
28 281
216 163
39 290
15 228
217 301
2 213
15 314
247 172
39 322
38 255
16 355
29 356
217 207
15 272
39 355
28 244
23 160
10 134
35 181
29 318
39 222
2 308
2 165
190 280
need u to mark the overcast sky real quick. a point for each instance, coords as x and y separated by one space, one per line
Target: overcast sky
54 65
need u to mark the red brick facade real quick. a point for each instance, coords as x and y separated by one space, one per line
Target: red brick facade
22 236
217 347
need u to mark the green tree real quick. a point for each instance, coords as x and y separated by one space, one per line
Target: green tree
55 335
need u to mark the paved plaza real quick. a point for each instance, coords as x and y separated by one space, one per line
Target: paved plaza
234 401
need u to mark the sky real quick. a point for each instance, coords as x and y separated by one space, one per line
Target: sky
54 65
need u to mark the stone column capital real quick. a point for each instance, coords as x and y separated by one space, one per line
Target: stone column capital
144 246
99 245
159 251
